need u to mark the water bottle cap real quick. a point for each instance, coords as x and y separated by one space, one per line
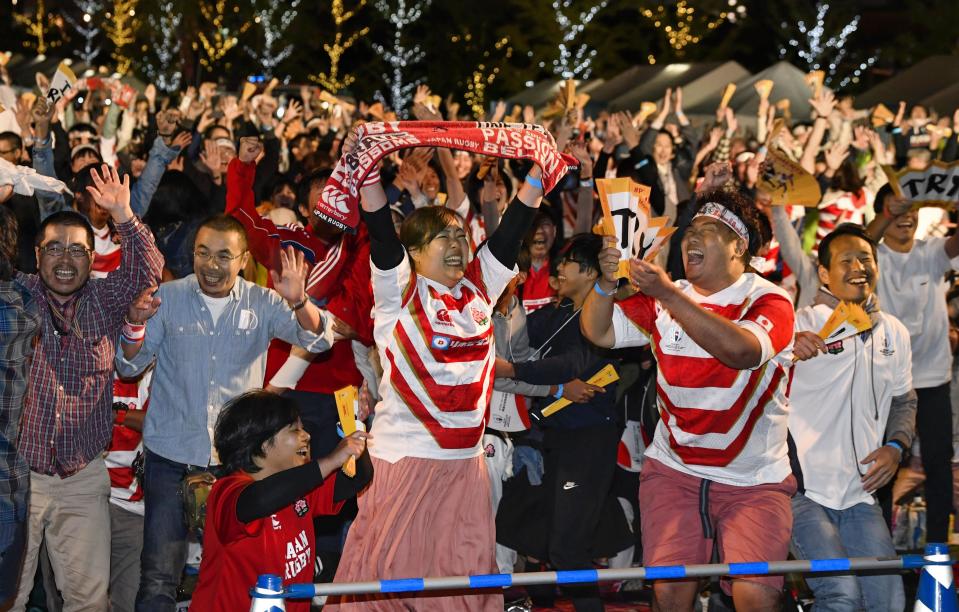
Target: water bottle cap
270 582
936 548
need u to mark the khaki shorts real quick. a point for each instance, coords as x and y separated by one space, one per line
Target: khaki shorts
748 523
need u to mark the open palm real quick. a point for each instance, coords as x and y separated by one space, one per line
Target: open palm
108 191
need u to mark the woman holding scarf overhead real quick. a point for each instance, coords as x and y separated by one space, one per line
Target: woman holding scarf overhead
428 511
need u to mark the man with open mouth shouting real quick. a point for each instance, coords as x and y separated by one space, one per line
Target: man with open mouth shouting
67 417
721 339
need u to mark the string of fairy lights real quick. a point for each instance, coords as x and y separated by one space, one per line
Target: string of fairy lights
818 42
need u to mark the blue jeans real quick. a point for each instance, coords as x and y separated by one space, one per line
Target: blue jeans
859 531
164 533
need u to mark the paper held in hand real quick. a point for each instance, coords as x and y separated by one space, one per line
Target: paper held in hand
728 92
846 321
346 400
626 215
815 80
602 378
787 183
61 83
937 185
763 88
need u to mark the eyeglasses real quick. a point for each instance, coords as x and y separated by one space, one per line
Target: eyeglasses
75 251
222 259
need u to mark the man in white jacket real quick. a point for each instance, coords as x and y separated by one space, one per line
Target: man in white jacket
852 415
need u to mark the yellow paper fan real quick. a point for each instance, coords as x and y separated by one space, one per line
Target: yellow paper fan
787 182
815 80
846 320
881 115
763 88
728 92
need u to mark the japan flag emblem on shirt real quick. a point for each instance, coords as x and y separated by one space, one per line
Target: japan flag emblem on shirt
765 323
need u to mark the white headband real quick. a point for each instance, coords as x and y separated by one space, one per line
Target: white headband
728 217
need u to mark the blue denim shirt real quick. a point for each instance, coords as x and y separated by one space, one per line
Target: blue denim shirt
201 366
140 194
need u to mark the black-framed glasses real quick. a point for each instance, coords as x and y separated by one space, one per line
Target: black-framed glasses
223 259
76 251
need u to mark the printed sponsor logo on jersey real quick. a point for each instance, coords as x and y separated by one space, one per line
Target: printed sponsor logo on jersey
835 348
440 343
443 317
301 507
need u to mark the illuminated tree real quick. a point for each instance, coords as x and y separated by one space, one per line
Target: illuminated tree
332 81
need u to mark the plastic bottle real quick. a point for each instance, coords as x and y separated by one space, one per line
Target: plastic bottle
264 594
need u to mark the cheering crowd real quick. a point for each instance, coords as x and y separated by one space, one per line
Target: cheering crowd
175 326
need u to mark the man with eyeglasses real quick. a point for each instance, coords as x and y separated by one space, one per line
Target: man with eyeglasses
209 342
67 416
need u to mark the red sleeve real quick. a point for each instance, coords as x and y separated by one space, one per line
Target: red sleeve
776 315
263 236
321 498
641 310
221 509
354 303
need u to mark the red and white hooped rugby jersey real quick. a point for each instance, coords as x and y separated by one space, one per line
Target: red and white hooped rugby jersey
125 491
436 349
718 423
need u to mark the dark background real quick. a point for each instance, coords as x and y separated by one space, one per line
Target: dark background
899 33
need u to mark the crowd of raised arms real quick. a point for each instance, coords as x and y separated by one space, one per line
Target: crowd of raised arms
178 327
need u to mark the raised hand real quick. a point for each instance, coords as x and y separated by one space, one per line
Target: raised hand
250 149
529 114
110 193
732 124
210 158
664 111
150 93
717 174
422 94
578 149
182 140
144 306
613 136
836 155
628 130
824 103
167 122
290 282
424 113
499 112
678 101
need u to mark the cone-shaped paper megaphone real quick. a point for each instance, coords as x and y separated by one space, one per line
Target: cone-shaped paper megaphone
937 592
264 595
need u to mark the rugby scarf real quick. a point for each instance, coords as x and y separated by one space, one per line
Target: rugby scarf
339 202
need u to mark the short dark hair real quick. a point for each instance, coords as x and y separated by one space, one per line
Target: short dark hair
65 218
224 223
737 204
426 223
307 183
84 127
13 138
843 229
584 249
8 242
247 423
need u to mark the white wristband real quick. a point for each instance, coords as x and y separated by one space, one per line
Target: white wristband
290 373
